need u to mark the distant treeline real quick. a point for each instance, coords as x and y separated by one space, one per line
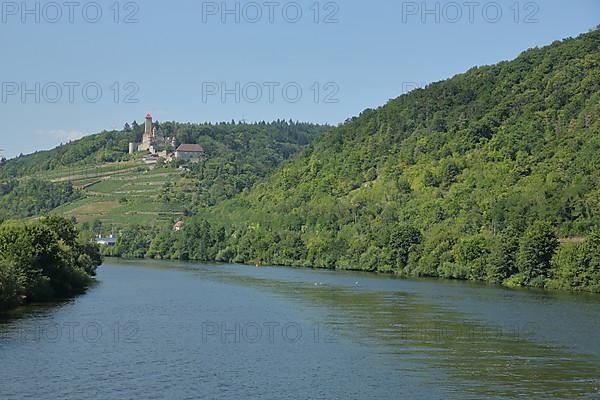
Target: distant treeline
532 257
43 260
33 196
270 141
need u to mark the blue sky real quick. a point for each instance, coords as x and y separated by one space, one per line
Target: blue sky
177 52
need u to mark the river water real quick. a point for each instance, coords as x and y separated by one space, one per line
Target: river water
163 330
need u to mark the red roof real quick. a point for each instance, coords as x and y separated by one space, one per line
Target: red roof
148 116
191 148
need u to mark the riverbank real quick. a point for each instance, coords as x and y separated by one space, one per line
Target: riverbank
528 257
550 285
43 260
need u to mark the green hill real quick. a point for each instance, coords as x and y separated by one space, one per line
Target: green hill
96 181
474 177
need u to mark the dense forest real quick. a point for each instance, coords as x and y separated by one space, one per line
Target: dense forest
27 197
238 155
475 177
43 260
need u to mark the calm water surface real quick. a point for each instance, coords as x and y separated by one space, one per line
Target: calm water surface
154 330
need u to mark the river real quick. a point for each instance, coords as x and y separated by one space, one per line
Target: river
165 330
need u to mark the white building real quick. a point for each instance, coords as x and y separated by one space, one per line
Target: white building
106 240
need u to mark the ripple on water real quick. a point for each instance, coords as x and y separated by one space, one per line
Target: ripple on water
383 338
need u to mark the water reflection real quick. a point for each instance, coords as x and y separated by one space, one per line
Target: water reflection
490 360
378 337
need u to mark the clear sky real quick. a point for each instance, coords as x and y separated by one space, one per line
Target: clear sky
179 55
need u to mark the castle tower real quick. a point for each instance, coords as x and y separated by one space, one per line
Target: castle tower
147 139
148 130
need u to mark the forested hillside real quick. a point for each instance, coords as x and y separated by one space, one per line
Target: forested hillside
237 155
474 178
26 197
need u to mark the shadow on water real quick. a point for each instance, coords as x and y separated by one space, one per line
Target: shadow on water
34 310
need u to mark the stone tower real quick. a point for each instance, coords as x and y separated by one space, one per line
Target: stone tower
148 139
148 130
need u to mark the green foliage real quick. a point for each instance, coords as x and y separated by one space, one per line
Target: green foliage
104 147
403 241
438 258
238 155
536 250
589 275
502 261
577 266
27 197
195 240
12 283
43 260
471 253
132 243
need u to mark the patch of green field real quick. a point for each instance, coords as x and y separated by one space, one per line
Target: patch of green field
107 186
88 211
123 194
66 209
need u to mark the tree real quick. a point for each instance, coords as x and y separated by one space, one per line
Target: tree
12 285
536 249
576 266
449 172
590 260
64 229
402 241
430 180
471 254
502 263
42 260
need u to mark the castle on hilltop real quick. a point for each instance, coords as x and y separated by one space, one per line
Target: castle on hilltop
151 139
